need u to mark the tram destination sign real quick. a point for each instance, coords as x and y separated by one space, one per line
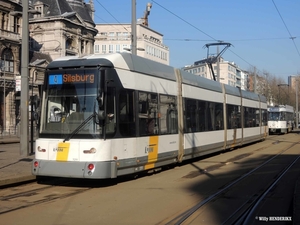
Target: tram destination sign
57 79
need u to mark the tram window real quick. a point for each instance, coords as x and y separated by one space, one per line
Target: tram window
202 114
250 118
110 110
233 117
282 116
168 118
215 116
190 115
126 113
148 114
218 121
264 116
55 110
257 118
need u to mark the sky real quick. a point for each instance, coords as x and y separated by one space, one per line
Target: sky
264 34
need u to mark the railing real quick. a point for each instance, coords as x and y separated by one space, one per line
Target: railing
10 35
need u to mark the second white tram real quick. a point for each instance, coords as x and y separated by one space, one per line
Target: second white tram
281 119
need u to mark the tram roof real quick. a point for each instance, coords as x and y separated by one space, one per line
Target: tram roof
139 64
281 108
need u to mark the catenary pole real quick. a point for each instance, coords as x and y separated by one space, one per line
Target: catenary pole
133 27
24 141
297 113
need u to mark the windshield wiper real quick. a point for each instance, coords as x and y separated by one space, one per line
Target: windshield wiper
79 127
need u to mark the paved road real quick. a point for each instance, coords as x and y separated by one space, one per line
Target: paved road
15 169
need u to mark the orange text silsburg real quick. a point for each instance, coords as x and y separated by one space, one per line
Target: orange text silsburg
77 78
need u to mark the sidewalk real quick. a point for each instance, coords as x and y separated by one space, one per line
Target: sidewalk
13 167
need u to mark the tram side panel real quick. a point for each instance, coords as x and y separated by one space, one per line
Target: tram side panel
156 116
234 121
251 121
203 121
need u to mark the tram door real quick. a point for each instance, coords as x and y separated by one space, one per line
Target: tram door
127 123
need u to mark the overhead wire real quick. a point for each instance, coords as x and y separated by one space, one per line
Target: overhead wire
254 39
291 37
111 15
184 20
187 39
198 30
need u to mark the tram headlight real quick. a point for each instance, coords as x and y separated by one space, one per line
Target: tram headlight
39 149
91 151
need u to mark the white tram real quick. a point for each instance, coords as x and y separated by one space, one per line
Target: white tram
281 119
109 115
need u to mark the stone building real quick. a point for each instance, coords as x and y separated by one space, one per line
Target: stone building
63 28
230 73
10 52
56 28
114 38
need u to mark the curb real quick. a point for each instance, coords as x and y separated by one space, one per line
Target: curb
9 141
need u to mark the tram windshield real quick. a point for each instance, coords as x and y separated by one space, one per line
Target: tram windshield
277 116
71 97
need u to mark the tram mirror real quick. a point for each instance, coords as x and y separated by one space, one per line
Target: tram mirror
100 100
101 115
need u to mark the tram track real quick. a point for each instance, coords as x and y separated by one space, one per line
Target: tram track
26 195
244 211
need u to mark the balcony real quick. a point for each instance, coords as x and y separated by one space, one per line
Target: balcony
4 34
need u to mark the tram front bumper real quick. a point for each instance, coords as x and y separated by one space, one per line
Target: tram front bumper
99 170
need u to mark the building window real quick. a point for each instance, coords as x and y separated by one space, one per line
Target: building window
7 61
4 21
40 9
124 47
125 35
111 36
117 48
103 49
16 24
97 49
110 48
119 36
69 43
82 47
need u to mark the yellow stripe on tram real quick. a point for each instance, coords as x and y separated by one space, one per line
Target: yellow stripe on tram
62 151
152 152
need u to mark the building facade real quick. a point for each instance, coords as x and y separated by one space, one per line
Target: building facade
56 28
112 38
62 28
10 51
229 72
